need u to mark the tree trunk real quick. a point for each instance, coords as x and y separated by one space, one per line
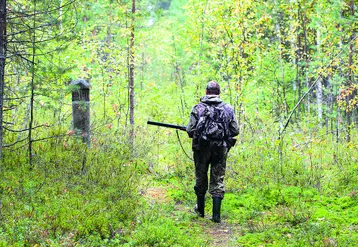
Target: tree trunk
131 75
319 95
298 58
329 105
319 90
32 85
306 57
279 40
2 67
350 76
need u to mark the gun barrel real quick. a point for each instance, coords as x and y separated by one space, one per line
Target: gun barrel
173 126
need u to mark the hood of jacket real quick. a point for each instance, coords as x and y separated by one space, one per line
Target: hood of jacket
211 99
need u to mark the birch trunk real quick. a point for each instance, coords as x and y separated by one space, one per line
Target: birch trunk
319 96
319 90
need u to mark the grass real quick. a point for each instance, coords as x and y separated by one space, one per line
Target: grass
301 193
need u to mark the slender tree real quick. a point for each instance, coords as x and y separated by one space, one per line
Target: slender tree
319 87
350 74
32 84
31 27
131 73
297 62
2 66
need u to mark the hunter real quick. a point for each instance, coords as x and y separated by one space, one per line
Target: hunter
212 126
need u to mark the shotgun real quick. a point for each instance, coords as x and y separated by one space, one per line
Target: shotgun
173 126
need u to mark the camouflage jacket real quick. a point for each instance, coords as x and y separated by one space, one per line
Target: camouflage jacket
199 109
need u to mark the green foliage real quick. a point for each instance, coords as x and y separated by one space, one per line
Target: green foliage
70 194
166 232
297 189
290 216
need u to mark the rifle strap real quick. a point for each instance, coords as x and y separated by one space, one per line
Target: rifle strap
182 146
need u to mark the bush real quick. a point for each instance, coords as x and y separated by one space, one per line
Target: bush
69 194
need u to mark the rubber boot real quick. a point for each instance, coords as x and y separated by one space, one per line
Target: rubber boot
216 209
200 205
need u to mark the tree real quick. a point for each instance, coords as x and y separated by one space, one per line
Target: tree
131 71
34 39
2 66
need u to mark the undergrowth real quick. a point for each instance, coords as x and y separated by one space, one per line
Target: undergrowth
71 194
299 190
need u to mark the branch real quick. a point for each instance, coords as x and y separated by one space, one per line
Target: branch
24 14
24 58
36 140
13 144
29 29
17 98
23 130
298 103
47 138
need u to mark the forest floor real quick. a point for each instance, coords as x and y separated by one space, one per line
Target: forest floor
222 234
291 216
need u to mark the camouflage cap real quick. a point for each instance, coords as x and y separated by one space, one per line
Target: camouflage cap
213 88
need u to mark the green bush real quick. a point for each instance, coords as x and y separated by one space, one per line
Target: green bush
70 194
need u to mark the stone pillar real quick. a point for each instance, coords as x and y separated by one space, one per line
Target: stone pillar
81 109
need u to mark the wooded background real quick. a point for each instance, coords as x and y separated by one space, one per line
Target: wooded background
266 55
289 69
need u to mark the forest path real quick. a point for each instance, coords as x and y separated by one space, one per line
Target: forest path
222 234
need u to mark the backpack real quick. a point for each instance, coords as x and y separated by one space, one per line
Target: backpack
213 123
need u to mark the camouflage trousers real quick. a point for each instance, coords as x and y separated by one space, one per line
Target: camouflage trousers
215 157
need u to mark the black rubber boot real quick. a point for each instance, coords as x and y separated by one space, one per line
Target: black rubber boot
200 205
216 209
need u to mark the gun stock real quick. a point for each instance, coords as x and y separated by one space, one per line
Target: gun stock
173 126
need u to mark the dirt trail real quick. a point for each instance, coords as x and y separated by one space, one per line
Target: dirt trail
157 195
222 233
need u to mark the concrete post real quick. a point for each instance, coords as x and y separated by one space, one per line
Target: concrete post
81 109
